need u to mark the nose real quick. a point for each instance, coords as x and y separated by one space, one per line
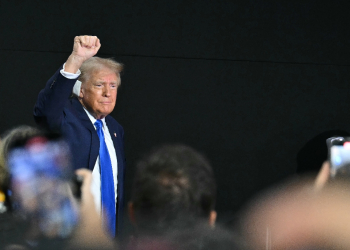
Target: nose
107 91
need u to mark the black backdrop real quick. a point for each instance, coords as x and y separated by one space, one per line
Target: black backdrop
247 83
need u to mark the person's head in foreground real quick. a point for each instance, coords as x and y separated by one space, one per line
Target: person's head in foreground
174 188
303 214
8 141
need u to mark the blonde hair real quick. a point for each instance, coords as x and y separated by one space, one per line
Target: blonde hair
10 137
94 64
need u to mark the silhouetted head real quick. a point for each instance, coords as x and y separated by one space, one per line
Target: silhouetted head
174 187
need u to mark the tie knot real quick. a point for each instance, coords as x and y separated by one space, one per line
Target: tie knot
98 124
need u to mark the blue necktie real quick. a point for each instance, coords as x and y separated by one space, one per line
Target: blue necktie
107 182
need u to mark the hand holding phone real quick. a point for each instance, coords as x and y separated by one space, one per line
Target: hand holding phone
40 181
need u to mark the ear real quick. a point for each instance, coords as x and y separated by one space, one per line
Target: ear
131 213
81 93
212 218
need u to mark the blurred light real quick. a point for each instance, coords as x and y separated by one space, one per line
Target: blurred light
337 160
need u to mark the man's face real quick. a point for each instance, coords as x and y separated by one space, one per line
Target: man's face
99 94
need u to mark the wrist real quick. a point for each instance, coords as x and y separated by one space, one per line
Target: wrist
73 63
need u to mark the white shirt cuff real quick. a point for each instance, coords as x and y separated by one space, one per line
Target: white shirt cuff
70 75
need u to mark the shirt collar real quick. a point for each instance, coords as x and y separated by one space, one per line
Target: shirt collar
93 119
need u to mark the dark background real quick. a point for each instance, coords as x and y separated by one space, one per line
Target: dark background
247 83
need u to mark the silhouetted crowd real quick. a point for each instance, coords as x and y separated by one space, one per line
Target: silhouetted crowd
44 205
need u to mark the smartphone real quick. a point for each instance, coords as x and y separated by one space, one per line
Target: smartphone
41 175
339 156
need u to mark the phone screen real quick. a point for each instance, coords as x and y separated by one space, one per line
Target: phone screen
340 158
40 177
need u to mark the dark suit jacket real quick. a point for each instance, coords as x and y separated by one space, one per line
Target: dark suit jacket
56 111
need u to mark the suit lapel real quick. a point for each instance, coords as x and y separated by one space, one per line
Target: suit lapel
116 140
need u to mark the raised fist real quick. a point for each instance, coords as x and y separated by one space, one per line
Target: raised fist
85 47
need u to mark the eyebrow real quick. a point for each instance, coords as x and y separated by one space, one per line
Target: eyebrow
99 82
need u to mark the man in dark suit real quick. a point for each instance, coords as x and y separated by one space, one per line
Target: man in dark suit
95 138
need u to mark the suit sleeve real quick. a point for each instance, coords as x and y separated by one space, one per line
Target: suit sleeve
49 107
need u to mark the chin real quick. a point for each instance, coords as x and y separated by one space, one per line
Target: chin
105 110
105 113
